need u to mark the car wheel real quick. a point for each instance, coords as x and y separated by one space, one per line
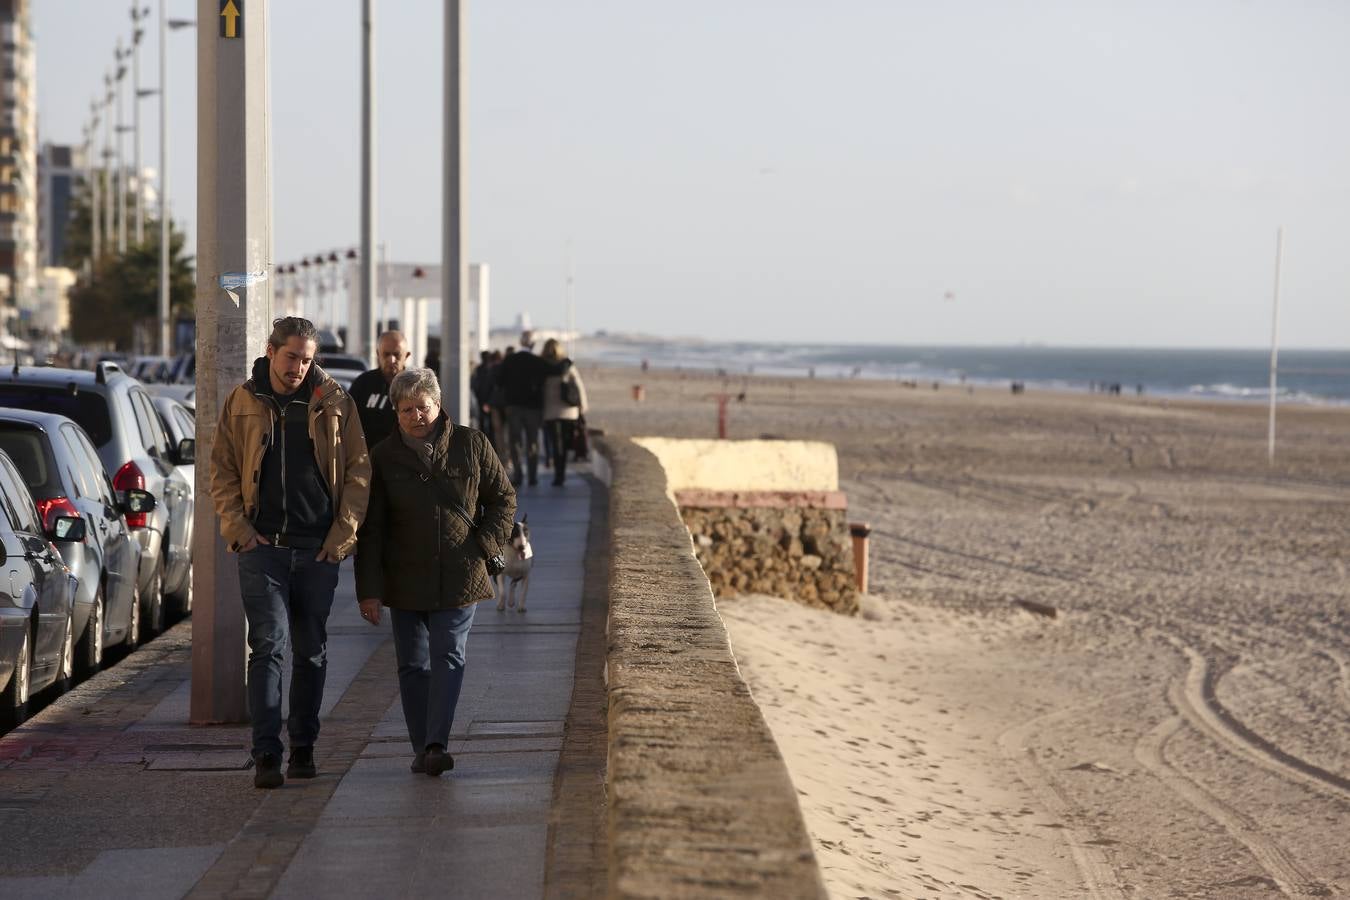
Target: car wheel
65 677
133 639
154 604
90 649
14 701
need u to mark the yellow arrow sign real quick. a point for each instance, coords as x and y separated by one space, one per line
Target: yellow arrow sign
229 19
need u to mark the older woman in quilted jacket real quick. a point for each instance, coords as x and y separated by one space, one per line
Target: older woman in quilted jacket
440 505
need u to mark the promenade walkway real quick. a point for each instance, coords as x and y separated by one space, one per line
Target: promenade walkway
108 793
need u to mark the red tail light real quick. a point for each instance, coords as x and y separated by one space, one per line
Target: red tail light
128 477
52 507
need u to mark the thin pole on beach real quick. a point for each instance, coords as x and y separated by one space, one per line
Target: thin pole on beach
1274 343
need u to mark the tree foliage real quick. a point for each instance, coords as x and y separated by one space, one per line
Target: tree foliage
121 293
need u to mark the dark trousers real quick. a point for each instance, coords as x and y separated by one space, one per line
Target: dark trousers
287 597
523 422
430 649
562 431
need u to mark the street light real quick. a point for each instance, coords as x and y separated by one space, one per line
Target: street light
121 54
138 13
165 326
108 198
90 139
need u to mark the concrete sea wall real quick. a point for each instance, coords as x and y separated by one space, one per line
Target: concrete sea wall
700 803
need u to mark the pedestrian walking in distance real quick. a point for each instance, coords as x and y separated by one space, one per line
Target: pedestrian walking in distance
290 479
564 405
441 508
370 390
521 376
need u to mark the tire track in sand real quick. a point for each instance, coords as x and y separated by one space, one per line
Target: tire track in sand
1195 699
1150 751
1099 878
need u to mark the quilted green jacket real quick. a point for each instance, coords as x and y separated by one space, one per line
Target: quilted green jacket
413 551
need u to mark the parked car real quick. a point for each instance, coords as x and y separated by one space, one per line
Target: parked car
341 361
150 369
116 412
183 369
185 394
62 470
37 601
181 424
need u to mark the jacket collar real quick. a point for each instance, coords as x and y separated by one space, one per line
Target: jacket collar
409 457
322 386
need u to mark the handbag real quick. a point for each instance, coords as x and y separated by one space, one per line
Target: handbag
581 444
571 392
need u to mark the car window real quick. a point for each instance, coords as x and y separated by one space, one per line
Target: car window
76 465
142 416
88 408
187 426
28 450
100 474
18 502
152 430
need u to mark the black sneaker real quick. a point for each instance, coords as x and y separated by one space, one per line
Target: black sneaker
267 771
419 764
302 763
438 761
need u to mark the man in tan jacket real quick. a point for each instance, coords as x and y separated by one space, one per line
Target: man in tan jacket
290 479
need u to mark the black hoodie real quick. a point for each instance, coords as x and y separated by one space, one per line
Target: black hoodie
292 495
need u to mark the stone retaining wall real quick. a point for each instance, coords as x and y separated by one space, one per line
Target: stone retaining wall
793 550
700 801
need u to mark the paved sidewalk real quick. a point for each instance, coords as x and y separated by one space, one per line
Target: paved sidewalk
108 793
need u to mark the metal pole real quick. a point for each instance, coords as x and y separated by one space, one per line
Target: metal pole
95 232
571 306
364 338
165 326
121 163
1275 343
454 364
109 198
136 33
234 235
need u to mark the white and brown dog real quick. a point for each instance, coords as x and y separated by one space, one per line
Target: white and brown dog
519 556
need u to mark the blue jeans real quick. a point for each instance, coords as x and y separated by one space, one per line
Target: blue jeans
287 597
430 651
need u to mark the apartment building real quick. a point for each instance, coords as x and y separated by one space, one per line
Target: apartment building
18 155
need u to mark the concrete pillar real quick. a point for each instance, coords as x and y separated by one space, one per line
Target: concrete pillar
454 308
479 295
418 335
407 309
362 342
234 250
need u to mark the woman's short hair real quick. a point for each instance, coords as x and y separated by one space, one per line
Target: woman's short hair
413 383
553 351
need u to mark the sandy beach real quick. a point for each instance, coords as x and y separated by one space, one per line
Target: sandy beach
1180 727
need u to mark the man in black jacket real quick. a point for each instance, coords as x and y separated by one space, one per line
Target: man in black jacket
370 390
521 378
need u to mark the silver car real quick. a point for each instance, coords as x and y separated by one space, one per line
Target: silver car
116 412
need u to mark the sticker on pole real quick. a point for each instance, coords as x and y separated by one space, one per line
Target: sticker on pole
234 282
231 19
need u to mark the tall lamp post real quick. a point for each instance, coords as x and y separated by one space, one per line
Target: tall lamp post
121 54
165 232
137 32
91 144
108 157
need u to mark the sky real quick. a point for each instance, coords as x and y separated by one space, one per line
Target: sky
873 171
